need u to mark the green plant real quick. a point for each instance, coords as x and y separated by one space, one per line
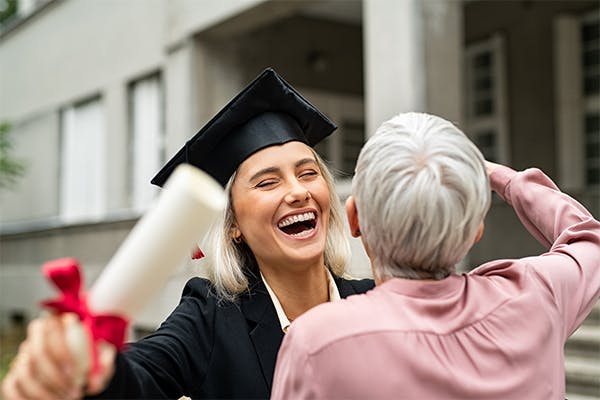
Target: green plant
8 9
10 169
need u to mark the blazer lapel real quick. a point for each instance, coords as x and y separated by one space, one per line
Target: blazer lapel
265 330
345 288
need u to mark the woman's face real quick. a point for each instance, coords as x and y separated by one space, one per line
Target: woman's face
281 205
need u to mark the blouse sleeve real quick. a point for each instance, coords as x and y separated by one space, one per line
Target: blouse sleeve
172 361
571 267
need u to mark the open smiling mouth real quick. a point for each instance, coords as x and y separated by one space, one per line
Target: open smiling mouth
298 225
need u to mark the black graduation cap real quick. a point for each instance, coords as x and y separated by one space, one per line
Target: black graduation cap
267 112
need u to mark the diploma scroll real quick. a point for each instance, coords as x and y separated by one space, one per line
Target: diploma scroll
157 245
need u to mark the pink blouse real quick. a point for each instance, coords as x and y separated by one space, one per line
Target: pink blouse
496 332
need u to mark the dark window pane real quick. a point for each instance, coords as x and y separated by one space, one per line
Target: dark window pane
486 142
482 60
592 176
483 83
591 57
591 85
486 139
484 107
592 150
353 140
590 32
592 123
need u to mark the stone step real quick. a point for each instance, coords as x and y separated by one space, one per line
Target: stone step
583 376
594 317
571 396
584 343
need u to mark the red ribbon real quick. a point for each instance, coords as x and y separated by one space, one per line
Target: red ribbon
197 254
66 276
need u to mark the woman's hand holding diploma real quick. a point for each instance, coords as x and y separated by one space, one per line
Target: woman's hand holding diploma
55 360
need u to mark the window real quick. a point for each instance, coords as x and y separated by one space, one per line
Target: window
577 80
341 149
590 60
83 158
146 140
485 98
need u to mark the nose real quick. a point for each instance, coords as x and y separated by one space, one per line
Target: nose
297 193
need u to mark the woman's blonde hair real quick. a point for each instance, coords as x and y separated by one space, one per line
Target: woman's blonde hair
229 262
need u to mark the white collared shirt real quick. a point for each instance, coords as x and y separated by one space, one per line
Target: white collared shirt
334 294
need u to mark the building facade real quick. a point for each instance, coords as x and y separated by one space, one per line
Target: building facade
99 94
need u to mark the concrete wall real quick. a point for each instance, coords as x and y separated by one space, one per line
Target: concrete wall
35 196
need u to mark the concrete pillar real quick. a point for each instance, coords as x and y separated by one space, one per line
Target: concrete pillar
179 95
218 76
393 58
413 54
201 75
444 54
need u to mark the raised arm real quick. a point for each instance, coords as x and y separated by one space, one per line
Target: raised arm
571 267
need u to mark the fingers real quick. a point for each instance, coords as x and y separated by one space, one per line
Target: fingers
490 167
22 381
53 364
97 382
41 368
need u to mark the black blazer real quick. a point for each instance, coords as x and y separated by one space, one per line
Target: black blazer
210 349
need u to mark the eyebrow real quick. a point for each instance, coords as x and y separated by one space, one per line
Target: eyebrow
270 170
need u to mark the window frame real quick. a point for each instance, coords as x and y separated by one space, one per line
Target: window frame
497 120
94 206
141 193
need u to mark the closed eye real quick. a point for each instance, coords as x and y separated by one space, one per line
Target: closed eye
308 174
266 183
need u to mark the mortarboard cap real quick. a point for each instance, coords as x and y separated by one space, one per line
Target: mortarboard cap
267 112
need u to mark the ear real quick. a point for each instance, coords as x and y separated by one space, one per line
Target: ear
479 232
235 232
352 215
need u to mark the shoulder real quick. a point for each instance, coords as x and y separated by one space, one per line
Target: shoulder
334 321
201 292
199 288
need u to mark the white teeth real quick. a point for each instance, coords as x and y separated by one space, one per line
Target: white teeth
303 233
296 218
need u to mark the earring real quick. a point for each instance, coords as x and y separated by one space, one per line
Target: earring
237 239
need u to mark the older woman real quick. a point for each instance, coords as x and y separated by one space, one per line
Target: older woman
278 251
420 196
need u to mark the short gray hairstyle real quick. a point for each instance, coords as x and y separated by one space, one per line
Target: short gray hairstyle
421 192
228 263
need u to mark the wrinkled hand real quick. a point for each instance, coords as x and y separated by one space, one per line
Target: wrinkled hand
490 167
45 368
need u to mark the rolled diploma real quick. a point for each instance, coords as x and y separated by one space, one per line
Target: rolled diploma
159 242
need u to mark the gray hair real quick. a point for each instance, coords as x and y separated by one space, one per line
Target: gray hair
228 262
421 192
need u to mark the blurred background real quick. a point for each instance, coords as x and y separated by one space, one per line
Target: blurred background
96 95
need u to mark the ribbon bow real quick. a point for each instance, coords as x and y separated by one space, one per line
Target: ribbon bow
66 276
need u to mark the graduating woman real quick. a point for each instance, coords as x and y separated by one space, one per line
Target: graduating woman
279 250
